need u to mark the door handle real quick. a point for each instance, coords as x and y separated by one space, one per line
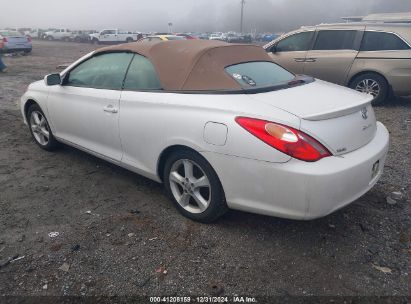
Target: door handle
311 60
299 59
110 109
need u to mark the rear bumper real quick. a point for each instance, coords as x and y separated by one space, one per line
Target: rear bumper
297 189
17 49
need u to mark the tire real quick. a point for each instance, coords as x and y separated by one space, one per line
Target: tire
39 127
374 84
95 41
181 188
128 40
49 38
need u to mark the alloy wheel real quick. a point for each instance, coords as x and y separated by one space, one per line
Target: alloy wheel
369 86
40 128
190 186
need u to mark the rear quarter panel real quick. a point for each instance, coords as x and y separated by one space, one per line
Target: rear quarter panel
152 122
395 66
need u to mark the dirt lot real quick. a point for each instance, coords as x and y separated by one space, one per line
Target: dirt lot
134 242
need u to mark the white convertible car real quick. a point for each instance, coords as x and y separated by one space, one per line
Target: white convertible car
221 125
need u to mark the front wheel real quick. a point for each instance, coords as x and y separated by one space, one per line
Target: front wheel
194 187
374 84
40 129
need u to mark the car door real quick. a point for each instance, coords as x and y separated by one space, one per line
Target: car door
106 36
60 34
56 34
140 130
120 36
290 52
84 109
333 54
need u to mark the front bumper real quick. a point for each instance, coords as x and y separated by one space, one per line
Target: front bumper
297 189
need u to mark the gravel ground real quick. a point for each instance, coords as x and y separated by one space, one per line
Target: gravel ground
120 235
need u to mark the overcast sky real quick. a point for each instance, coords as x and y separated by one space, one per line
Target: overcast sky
187 15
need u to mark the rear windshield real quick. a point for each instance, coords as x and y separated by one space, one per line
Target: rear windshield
10 33
259 74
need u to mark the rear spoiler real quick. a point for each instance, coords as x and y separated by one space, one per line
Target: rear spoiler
346 110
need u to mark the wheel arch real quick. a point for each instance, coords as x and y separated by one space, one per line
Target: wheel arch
367 72
28 104
166 153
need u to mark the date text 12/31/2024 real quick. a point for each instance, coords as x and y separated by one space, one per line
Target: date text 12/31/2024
235 299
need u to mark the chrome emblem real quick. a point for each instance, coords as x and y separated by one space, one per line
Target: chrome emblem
364 113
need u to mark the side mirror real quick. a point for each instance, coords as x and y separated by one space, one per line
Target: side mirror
52 79
273 49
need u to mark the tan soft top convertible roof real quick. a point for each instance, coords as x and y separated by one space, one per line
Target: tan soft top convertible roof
193 65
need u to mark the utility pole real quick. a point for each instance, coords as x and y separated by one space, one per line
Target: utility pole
242 15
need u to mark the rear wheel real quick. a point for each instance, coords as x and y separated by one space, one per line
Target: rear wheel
40 129
374 84
129 39
194 187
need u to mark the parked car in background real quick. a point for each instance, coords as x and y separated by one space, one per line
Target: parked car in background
204 36
373 58
58 34
266 37
15 42
112 36
186 36
218 130
35 33
238 38
161 38
81 36
217 36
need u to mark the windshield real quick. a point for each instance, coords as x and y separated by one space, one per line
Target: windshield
259 74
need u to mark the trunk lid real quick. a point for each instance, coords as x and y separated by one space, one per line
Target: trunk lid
17 40
341 119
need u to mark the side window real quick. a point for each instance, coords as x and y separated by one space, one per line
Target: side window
108 32
296 42
106 71
141 75
380 41
335 40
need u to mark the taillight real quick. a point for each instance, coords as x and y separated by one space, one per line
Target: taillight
28 39
288 140
5 39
